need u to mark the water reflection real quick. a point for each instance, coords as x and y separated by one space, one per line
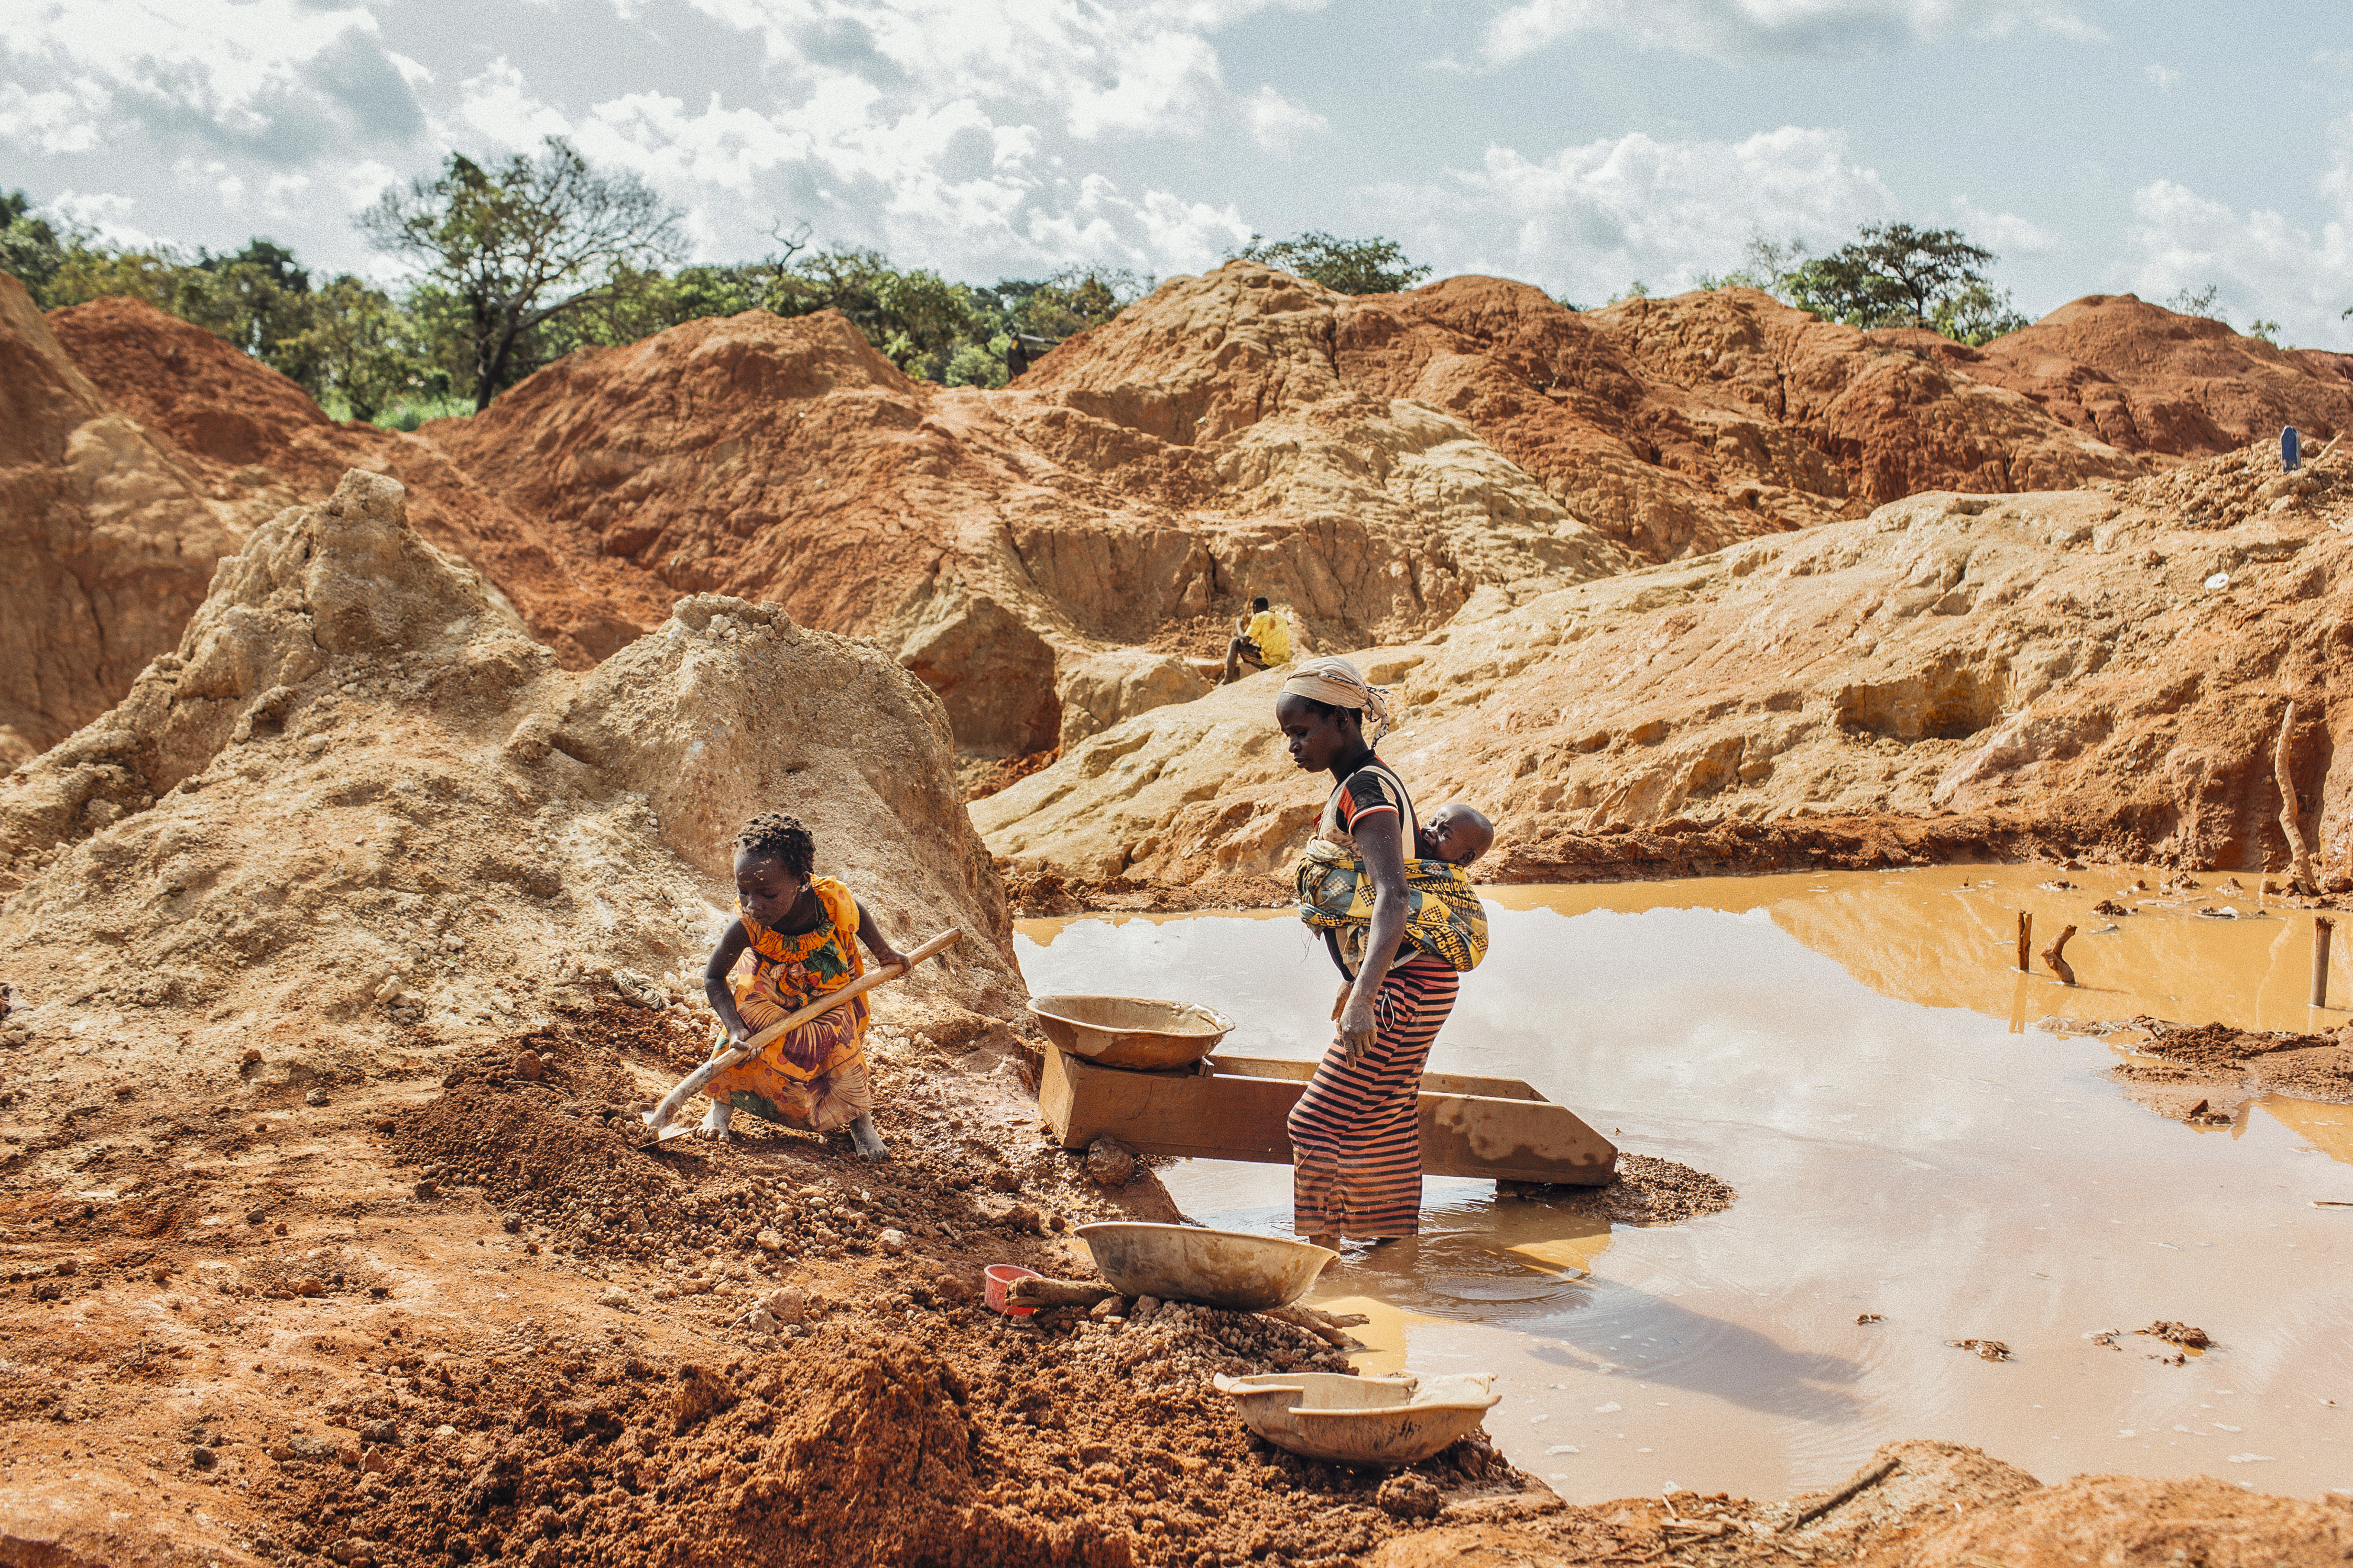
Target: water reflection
1857 1055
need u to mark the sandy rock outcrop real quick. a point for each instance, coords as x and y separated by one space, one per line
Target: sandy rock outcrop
2146 379
106 541
258 444
361 795
2109 668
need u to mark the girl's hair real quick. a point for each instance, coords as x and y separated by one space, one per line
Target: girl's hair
783 839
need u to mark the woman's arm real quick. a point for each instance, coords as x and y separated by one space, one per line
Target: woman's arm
885 955
1384 855
714 981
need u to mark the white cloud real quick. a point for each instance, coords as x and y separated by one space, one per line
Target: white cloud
2005 234
1142 66
2263 264
275 78
1592 218
55 122
102 214
2164 76
1748 27
1279 124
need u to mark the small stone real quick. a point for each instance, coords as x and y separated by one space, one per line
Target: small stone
201 1457
769 1241
379 1432
613 1296
1110 1163
528 1067
1022 1216
316 1097
531 1247
425 1190
789 1305
1408 1496
1144 1306
255 1217
511 1224
307 1285
68 1267
1004 1181
893 1242
252 1058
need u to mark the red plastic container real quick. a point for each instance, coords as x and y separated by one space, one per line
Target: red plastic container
1000 1276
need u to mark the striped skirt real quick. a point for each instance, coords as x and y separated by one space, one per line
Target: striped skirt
1355 1134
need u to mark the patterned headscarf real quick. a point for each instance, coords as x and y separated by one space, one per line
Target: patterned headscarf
1336 682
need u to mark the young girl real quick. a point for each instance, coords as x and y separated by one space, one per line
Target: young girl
802 932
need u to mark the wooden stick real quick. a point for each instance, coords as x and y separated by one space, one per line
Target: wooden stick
1040 1292
2025 941
2055 957
2299 857
1864 1480
692 1085
2321 926
1323 1325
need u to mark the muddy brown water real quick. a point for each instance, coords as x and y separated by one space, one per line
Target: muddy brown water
1855 1054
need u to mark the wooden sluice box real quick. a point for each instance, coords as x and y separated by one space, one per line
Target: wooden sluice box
1234 1108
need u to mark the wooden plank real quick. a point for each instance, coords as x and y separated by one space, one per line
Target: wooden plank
1431 1082
1237 1112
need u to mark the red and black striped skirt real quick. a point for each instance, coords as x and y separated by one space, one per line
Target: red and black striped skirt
1355 1134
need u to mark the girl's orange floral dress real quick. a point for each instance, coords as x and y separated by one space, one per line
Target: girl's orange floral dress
815 1076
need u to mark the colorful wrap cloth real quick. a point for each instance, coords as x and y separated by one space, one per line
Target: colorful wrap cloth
815 1076
1443 917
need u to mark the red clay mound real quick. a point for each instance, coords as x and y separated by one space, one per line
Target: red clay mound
259 443
107 543
2144 379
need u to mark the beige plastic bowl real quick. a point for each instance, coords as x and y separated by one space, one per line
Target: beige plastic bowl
1137 1032
1229 1268
1361 1420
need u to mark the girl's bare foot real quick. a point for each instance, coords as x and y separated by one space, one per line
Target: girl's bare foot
715 1125
1330 1242
869 1143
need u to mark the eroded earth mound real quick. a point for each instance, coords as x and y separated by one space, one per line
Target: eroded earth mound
2104 671
2144 379
1057 556
106 541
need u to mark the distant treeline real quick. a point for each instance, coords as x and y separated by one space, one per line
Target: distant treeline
517 264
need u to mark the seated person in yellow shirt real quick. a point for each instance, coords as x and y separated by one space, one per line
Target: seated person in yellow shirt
1263 644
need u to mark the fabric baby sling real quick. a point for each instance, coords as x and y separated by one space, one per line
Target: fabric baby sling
1443 917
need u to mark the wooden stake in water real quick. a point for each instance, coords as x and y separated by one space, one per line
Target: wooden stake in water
2055 955
2321 926
2025 941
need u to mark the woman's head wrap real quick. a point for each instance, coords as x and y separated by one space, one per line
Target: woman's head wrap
1334 681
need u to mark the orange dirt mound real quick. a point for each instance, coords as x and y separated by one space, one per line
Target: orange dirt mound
2144 379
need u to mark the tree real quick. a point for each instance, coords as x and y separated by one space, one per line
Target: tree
1375 266
31 250
2188 301
362 345
522 244
1891 275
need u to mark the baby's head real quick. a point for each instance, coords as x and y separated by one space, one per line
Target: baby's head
774 857
1459 833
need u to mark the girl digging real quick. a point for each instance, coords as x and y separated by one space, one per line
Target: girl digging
802 932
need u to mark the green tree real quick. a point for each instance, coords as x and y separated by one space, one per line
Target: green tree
2188 301
1890 275
363 345
518 247
31 250
1375 266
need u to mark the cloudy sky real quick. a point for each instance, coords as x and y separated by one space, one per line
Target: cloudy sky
2097 146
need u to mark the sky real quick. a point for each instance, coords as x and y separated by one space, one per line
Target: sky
2097 146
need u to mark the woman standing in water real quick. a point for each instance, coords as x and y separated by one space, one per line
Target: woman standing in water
1355 1134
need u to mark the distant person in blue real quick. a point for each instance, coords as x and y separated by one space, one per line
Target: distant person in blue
2291 450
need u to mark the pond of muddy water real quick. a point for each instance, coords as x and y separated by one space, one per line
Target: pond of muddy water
1856 1055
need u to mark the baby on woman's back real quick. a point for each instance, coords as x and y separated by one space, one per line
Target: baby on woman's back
1456 832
